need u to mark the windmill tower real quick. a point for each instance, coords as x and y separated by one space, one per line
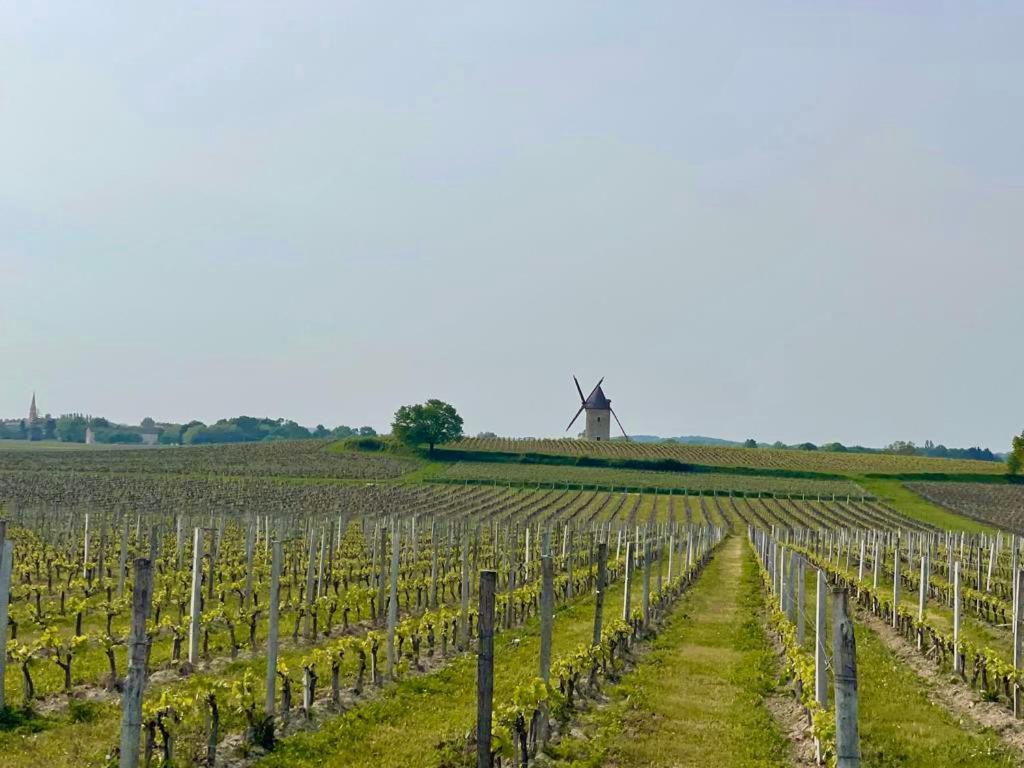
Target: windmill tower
599 413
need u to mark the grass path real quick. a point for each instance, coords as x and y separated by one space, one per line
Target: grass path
696 697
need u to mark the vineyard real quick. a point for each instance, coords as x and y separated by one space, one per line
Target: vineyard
679 481
298 458
998 505
726 456
295 622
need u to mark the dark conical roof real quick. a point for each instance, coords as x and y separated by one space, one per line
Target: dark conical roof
597 400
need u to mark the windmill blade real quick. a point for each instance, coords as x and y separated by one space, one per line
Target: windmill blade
574 418
599 381
619 423
578 389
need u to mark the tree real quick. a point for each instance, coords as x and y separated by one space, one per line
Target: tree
171 434
750 443
118 436
192 430
148 423
371 432
71 428
1015 461
434 422
902 447
320 431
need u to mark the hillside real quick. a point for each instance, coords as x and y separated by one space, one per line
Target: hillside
773 459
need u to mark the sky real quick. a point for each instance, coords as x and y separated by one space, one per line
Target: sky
787 221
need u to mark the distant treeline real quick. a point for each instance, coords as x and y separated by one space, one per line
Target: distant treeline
72 427
900 447
247 429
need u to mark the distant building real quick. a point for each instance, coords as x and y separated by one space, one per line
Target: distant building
90 436
150 438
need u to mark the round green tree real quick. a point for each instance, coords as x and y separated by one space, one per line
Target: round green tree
433 423
1015 461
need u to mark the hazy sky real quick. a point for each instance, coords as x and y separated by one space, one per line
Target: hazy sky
795 221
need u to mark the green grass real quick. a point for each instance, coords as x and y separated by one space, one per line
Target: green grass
894 493
76 736
900 727
696 698
749 483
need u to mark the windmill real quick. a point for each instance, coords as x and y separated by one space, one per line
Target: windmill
599 410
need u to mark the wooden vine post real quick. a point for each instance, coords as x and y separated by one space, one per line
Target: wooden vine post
877 564
602 581
896 586
197 597
382 575
791 587
801 621
131 716
122 561
957 667
273 615
6 562
464 612
393 602
1014 562
547 613
922 601
627 581
820 666
85 548
307 617
844 657
485 668
1018 638
250 549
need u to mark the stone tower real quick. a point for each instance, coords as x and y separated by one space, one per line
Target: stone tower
599 414
33 412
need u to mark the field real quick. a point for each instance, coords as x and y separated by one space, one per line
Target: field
1001 506
679 481
378 612
725 456
301 458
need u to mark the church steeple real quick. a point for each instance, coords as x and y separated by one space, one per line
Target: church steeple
33 413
